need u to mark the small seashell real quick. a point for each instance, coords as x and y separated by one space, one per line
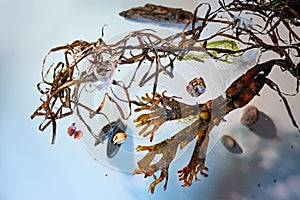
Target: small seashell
250 115
78 135
71 130
196 87
119 138
114 132
109 131
106 132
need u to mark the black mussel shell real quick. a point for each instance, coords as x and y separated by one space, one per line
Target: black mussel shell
108 132
112 149
104 133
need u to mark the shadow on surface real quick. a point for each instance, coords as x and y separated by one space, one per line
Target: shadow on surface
264 127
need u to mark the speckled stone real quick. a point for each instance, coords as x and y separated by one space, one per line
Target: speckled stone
250 115
228 142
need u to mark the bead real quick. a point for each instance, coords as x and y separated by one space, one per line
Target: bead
204 115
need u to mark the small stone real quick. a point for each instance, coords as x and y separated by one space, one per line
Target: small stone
228 141
250 115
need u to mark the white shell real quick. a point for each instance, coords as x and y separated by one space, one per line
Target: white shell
119 138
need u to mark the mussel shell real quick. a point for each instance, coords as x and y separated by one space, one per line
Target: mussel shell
105 133
108 132
112 149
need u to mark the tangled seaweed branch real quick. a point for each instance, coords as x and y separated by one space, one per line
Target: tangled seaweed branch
238 94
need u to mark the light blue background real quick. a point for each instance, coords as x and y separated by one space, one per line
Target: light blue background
32 169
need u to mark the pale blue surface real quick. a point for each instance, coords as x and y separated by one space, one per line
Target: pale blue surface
32 169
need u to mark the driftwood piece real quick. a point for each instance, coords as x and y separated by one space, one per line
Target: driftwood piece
158 13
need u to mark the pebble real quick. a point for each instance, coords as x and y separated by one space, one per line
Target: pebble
228 141
250 115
